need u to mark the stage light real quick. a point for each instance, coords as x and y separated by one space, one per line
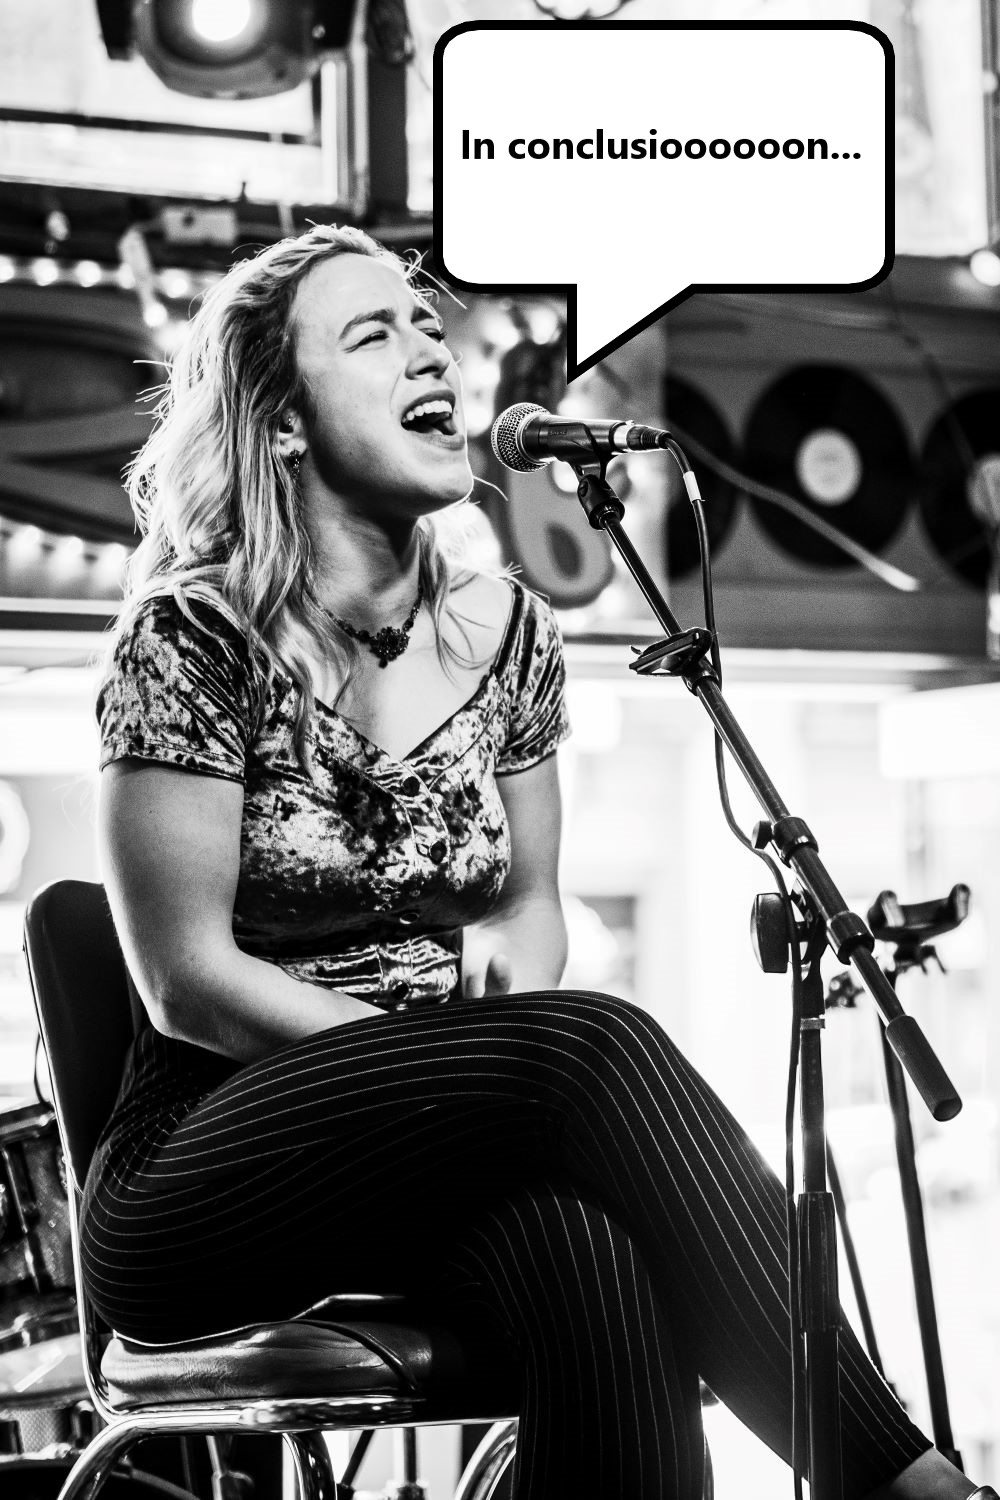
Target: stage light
87 272
985 267
45 272
154 314
8 269
544 322
220 20
227 49
579 10
175 284
499 330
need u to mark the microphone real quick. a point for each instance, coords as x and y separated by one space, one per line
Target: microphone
527 437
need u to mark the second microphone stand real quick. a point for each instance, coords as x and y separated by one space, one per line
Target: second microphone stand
826 921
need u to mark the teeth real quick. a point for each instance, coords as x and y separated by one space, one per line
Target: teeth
438 407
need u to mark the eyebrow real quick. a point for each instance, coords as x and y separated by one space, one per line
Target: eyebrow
388 315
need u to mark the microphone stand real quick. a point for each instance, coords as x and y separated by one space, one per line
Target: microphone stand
826 922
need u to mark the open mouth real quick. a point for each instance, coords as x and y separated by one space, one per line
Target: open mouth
432 415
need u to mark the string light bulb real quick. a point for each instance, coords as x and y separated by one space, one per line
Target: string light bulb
985 267
25 546
110 564
67 556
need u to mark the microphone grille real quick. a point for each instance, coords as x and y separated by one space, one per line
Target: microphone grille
504 437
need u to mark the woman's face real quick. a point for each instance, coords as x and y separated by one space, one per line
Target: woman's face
387 426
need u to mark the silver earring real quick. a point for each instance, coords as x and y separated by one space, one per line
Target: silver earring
294 463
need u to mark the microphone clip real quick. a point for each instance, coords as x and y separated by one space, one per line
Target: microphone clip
595 494
685 654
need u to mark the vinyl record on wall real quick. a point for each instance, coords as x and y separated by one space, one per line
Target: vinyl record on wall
965 432
694 416
829 438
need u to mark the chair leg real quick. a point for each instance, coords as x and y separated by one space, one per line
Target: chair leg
708 1483
407 1486
313 1469
488 1464
95 1463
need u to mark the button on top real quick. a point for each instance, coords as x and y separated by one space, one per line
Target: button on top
437 851
411 786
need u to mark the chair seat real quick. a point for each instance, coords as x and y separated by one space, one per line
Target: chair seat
341 1347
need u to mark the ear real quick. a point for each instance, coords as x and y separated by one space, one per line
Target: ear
290 433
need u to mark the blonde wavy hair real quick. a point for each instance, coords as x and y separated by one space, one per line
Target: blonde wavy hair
219 509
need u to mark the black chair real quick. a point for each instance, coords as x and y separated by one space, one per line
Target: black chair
351 1362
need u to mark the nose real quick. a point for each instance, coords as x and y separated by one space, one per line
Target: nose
427 354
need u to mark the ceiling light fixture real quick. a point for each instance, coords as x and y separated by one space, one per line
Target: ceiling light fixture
227 49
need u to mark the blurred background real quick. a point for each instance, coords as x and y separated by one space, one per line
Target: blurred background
146 147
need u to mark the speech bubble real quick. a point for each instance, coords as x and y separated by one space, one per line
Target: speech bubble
627 164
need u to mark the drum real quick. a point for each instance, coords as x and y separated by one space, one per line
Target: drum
47 1373
43 1478
40 1361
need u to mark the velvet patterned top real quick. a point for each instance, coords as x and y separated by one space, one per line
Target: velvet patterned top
360 875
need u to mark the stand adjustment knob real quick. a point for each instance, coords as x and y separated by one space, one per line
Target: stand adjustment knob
763 832
769 933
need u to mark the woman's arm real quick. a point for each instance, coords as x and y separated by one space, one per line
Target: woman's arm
521 945
170 851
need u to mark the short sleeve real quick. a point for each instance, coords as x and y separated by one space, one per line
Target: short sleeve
179 693
535 679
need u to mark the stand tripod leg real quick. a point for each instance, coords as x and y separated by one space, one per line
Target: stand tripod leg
916 1234
853 1266
818 1281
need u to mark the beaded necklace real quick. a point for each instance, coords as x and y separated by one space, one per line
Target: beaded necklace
392 640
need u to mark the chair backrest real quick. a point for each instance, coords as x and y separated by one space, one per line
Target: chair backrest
84 1014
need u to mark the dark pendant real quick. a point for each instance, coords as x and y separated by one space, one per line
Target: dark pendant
388 643
392 640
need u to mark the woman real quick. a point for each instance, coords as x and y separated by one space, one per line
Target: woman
325 754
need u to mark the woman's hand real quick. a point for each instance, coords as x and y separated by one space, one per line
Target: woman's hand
486 967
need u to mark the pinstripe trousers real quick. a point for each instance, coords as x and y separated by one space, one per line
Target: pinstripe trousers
550 1161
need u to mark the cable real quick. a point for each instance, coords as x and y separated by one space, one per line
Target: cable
895 577
935 372
799 1404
